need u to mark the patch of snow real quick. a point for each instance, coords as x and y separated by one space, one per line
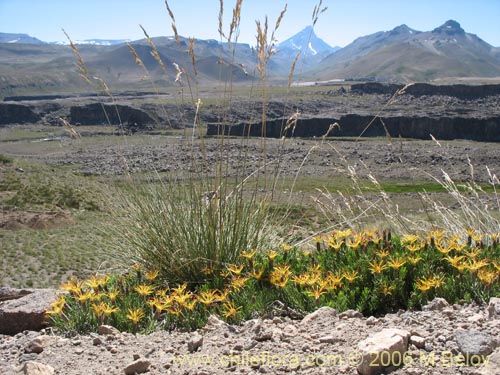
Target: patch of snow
312 49
296 46
13 41
411 32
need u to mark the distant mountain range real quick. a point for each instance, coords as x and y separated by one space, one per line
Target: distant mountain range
28 65
404 55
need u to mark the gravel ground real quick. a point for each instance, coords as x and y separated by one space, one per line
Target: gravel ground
323 342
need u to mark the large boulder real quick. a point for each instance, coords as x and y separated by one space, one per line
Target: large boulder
24 309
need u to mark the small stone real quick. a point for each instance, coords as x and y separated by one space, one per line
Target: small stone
76 342
35 368
79 351
108 330
330 339
350 314
322 313
33 347
136 357
97 341
371 321
437 304
195 342
418 341
137 367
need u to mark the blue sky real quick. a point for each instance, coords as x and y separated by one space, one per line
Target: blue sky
341 24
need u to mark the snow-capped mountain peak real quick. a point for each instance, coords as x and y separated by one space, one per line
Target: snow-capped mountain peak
307 42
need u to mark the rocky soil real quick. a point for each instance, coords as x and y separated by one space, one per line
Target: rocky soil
441 339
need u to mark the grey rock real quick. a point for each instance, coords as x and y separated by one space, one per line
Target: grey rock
137 367
6 369
437 304
475 345
24 309
494 308
195 342
491 365
108 330
418 341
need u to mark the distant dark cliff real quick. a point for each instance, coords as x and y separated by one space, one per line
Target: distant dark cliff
445 128
17 114
419 89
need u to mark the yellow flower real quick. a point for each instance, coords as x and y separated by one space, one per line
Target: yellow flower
396 263
248 255
135 315
207 297
235 269
436 235
475 265
152 275
386 289
301 280
180 289
414 247
409 239
83 296
73 285
144 289
97 308
207 270
382 253
487 277
354 243
257 275
280 275
424 285
137 267
414 259
272 254
443 249
316 292
454 260
161 292
112 295
333 281
342 234
191 304
238 282
436 281
286 247
108 309
96 281
230 310
377 267
56 307
335 243
350 275
473 253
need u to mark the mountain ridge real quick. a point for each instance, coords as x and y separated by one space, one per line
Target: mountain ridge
403 55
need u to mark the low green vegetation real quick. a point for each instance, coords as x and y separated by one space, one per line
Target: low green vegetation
371 272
